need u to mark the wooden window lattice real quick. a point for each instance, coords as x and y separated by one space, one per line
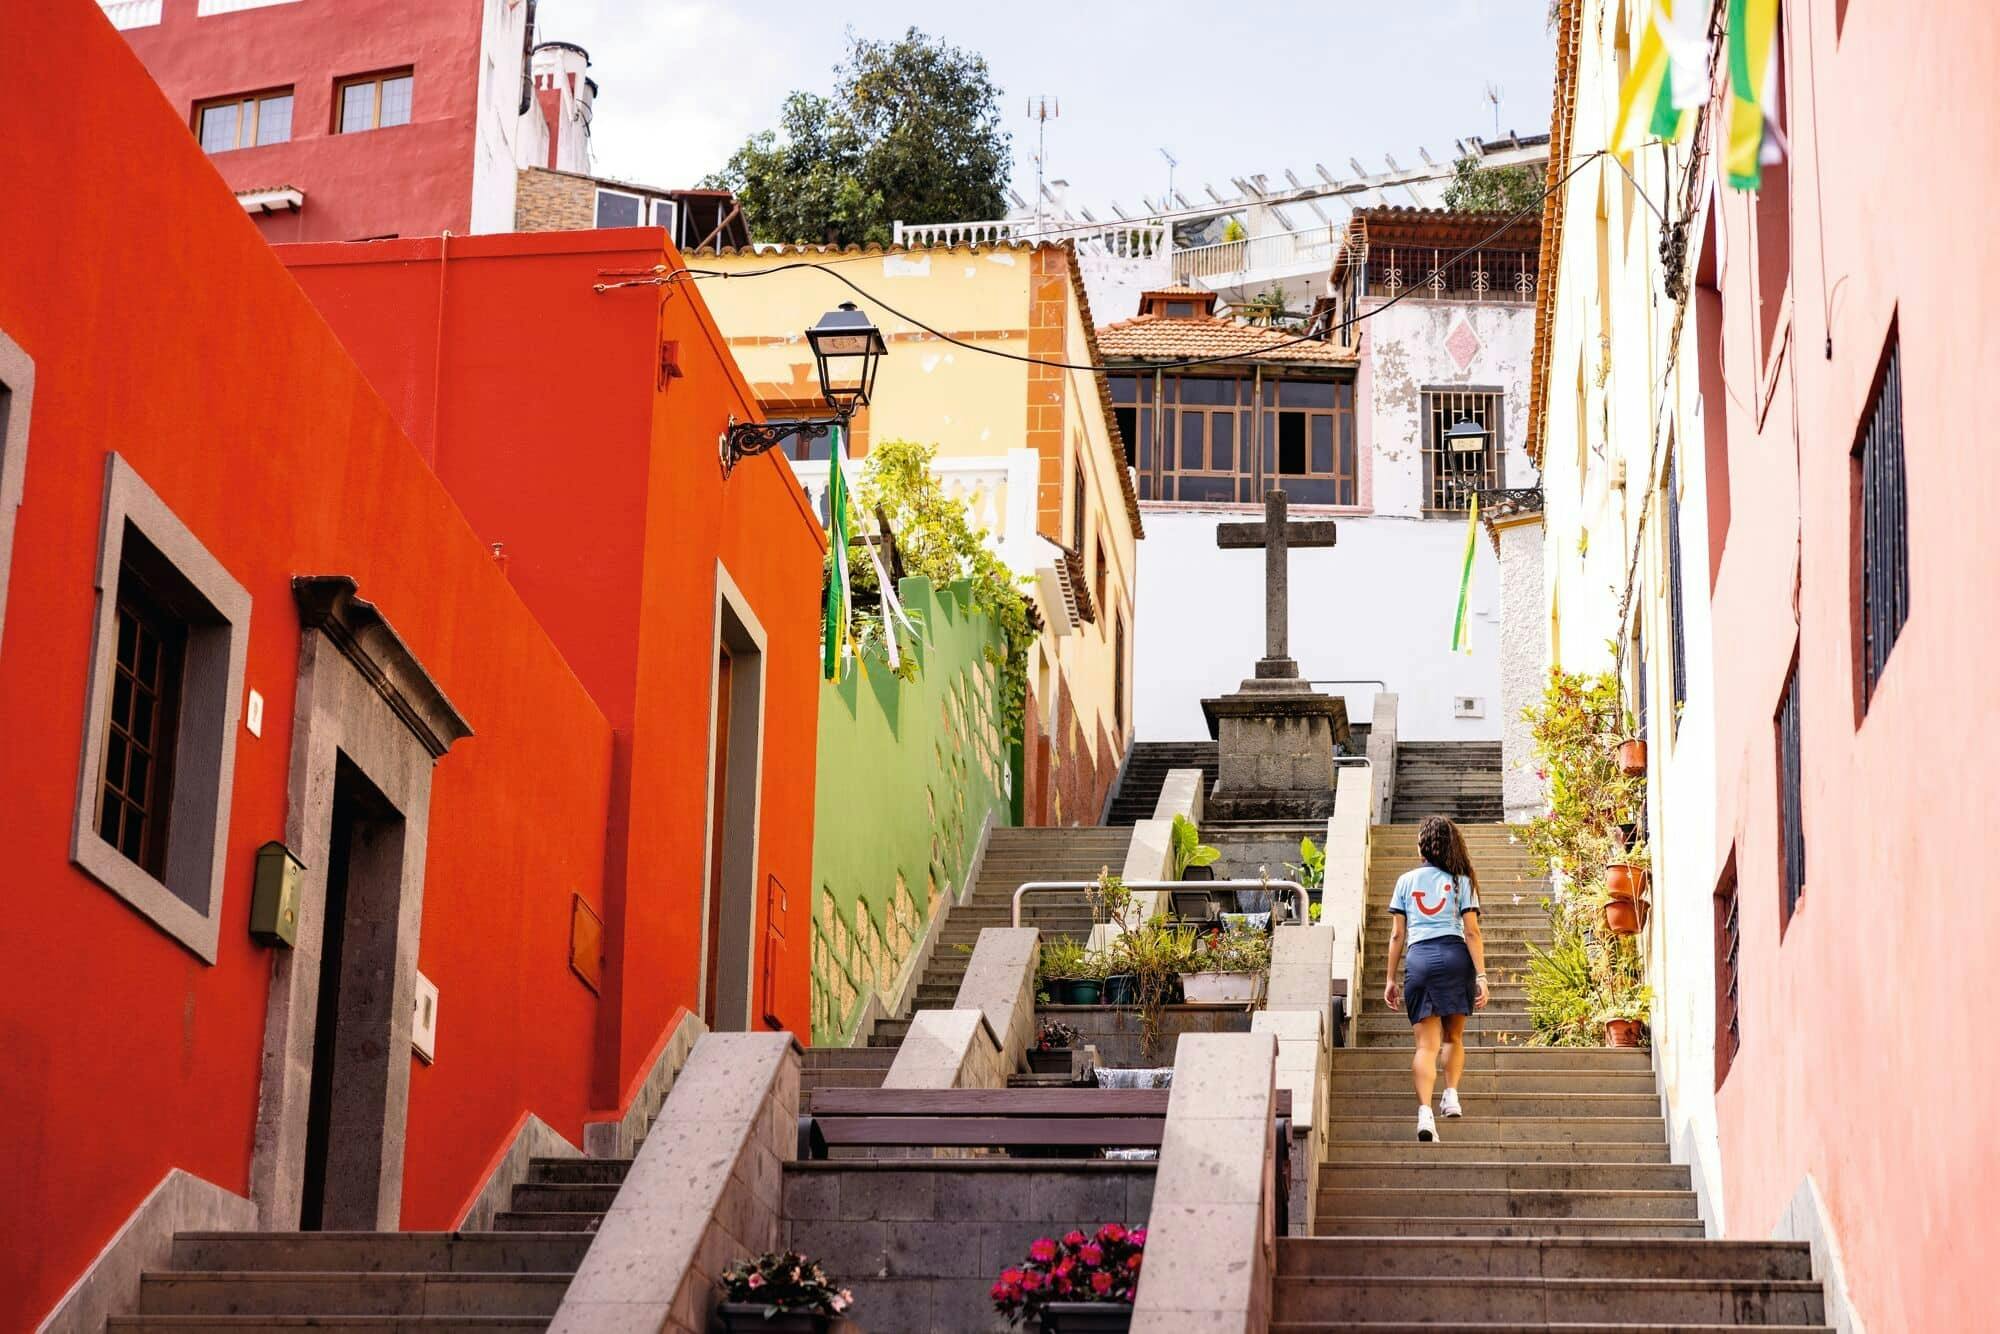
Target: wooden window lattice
136 785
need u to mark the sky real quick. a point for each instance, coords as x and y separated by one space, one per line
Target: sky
1230 87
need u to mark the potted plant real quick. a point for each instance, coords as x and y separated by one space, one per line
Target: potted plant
1087 987
1632 749
1625 1018
1062 966
1228 969
780 1291
1081 1284
1190 853
1155 953
1054 1041
1624 908
1111 903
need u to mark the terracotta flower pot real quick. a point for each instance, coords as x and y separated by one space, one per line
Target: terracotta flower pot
1632 757
1622 917
1624 881
1622 1033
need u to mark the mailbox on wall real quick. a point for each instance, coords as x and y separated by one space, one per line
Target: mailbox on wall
274 903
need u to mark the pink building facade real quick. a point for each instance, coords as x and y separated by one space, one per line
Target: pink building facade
1844 310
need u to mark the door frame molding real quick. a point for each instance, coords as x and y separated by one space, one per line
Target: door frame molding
735 625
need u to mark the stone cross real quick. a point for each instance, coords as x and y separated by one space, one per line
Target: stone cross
1277 537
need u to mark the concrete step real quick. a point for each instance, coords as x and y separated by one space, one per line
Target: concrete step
844 1058
1502 1174
1452 1226
1454 1149
331 1324
1457 1301
1586 1129
1505 1202
1554 1257
1483 1107
544 1220
1378 1028
402 1252
253 1292
1511 1327
531 1196
857 1078
1477 1083
1353 1060
578 1171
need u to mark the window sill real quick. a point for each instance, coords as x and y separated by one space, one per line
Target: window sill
148 896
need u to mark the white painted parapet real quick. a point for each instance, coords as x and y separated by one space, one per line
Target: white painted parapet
1211 1241
1344 893
1150 855
999 982
1180 794
1298 1012
704 1191
1382 754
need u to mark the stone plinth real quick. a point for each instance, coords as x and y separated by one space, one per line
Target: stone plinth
1275 750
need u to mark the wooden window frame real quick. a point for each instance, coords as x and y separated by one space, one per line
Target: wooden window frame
378 79
1728 971
1273 410
137 813
249 115
184 896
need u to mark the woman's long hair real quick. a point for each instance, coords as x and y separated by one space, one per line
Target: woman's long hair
1440 844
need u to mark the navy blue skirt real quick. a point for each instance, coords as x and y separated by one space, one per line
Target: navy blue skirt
1438 978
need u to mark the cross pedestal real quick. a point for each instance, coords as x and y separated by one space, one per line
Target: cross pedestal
1275 734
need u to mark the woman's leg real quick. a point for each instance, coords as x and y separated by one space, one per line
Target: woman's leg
1454 1049
1424 1065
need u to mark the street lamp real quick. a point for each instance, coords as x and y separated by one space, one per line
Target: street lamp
1466 436
847 348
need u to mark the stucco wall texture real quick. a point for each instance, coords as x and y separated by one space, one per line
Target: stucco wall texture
910 771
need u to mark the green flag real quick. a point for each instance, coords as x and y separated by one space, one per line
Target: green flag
1461 637
833 633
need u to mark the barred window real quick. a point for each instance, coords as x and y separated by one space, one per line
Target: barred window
1455 469
1728 944
1882 513
1791 804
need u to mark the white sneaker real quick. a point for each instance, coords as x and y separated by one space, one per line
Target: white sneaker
1448 1103
1427 1129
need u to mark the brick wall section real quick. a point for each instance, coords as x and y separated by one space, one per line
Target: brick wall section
553 201
1048 320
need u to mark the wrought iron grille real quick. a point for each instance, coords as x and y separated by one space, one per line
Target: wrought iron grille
1674 601
1483 275
1728 942
1791 807
1452 476
1884 518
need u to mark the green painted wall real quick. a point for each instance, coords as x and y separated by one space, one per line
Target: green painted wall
908 772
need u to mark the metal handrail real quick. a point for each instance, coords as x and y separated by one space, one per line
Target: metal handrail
1301 899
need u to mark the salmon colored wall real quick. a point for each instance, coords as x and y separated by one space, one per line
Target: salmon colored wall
307 47
605 494
184 345
1866 1025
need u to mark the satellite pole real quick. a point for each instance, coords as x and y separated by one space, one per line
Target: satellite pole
1041 109
1493 91
1172 162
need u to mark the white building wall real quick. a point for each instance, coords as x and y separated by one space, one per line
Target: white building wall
1379 604
502 38
1523 665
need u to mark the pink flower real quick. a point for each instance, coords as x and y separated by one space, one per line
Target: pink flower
1032 1282
1138 1236
756 1280
1042 1250
1100 1283
1075 1239
1091 1253
1111 1232
1132 1262
842 1300
1011 1277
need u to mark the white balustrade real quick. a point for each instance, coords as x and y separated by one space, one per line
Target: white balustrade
131 13
206 7
1229 262
1125 240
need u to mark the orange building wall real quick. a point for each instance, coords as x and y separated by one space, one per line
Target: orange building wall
183 344
600 483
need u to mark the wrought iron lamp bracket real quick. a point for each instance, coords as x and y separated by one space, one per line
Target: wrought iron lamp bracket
742 440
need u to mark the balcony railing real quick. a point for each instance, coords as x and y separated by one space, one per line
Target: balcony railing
1441 274
1120 240
1280 253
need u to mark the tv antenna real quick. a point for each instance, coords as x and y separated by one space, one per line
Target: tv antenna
1041 109
1493 91
1172 162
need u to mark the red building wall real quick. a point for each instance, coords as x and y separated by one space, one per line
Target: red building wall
1865 1021
307 47
599 480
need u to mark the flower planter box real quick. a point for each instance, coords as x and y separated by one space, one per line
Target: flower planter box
1623 1033
747 1316
1086 1318
1219 988
1050 1060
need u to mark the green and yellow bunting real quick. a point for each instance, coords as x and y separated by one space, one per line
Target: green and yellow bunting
1461 634
1669 78
1753 25
839 599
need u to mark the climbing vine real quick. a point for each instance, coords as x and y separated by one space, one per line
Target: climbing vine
936 537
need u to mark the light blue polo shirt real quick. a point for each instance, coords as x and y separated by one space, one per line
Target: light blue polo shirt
1432 902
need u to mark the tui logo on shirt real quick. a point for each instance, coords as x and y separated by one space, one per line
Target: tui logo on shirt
1426 907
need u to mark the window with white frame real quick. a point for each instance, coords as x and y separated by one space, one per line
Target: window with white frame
620 208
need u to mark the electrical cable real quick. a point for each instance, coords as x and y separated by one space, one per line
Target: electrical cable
657 278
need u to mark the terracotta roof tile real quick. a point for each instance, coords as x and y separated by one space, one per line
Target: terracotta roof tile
1158 338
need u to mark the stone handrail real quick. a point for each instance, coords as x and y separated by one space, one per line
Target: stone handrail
986 1034
1382 754
1344 890
1211 1243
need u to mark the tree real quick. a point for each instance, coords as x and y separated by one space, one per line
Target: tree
912 133
1477 189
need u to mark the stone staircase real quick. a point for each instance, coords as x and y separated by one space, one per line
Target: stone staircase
1551 1205
1146 772
1459 779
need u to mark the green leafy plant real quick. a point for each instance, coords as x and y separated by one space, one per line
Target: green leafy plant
1313 914
1062 959
782 1281
1245 950
1477 189
1634 1006
1562 994
1188 849
936 538
1157 953
1310 869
